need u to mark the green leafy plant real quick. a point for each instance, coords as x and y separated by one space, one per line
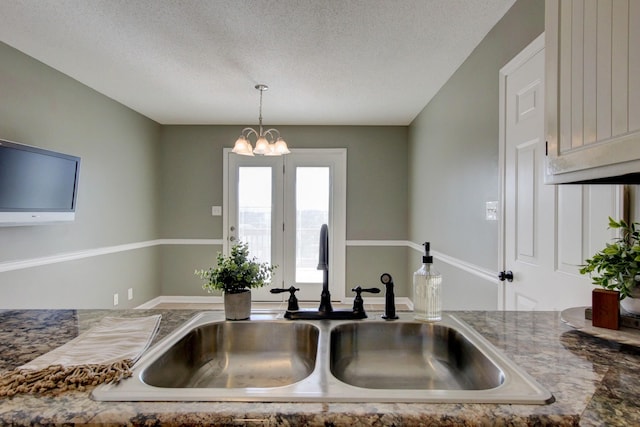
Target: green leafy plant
617 266
237 272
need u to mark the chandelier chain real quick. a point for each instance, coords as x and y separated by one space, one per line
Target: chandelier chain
260 111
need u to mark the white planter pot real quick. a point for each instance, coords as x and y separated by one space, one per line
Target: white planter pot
237 306
631 304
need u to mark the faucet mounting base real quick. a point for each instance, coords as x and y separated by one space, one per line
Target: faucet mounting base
324 315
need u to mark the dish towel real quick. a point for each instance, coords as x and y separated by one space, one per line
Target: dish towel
104 353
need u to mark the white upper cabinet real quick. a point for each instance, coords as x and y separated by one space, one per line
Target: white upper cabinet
592 89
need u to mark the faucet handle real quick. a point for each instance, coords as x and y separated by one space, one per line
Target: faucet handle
359 289
358 302
292 301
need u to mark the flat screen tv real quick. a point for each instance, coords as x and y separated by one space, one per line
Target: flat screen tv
37 186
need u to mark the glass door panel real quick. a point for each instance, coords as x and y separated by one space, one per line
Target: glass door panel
254 210
312 210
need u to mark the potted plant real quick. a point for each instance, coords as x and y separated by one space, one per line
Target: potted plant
235 275
617 266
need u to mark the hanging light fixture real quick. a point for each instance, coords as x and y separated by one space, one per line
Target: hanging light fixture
268 143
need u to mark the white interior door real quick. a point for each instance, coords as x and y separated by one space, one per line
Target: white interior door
277 205
548 230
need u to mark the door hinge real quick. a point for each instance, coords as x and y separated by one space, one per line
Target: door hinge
546 148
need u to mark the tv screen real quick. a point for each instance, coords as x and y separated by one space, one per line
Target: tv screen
36 185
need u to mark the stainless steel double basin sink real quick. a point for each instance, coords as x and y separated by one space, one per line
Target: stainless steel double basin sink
272 359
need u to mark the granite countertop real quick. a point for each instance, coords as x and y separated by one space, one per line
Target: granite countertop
595 381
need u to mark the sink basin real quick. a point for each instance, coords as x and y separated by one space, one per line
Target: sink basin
421 356
237 355
270 359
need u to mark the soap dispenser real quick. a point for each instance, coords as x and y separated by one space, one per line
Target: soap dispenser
427 289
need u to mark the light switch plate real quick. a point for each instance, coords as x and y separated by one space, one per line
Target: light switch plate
491 211
216 210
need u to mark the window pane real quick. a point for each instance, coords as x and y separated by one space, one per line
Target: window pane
312 210
254 210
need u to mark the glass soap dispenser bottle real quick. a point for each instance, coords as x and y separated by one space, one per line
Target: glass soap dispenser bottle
427 289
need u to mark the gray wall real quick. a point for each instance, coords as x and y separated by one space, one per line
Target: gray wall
141 181
453 157
191 158
117 196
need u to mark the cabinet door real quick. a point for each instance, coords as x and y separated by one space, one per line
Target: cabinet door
593 89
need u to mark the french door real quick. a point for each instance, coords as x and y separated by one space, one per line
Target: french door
277 205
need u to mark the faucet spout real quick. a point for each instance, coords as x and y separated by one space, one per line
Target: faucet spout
323 257
323 264
325 311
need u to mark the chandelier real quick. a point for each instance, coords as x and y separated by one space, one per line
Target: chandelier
268 142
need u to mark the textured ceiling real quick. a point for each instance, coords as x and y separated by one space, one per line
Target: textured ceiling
329 62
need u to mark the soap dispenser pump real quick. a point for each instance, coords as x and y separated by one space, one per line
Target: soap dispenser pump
427 289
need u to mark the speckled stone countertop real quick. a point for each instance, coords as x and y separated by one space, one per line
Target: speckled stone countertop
595 382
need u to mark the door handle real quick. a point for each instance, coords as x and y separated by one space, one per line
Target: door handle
506 275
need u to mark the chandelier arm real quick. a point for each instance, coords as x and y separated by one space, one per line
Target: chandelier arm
246 132
271 133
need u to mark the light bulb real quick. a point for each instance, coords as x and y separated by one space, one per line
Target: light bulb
281 147
242 147
262 146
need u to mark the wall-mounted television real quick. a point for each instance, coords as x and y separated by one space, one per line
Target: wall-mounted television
37 186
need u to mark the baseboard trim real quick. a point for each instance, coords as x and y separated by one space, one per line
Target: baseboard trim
168 299
380 300
374 243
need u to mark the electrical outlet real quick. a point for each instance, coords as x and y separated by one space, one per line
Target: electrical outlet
130 293
216 210
115 299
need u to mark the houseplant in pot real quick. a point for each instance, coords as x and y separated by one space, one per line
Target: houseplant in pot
617 266
235 275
